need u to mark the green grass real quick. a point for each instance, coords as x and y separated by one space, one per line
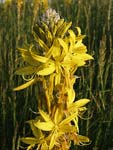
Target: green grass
96 80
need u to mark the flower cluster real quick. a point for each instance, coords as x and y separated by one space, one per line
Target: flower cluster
53 58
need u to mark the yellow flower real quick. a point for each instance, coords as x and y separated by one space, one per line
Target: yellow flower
55 127
38 139
52 131
65 55
57 50
53 58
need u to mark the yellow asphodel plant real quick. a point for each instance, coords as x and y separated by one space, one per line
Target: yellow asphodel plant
52 59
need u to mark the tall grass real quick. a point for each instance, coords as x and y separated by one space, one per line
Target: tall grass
96 81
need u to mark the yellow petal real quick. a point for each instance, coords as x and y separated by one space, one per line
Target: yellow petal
60 29
30 140
44 115
47 69
82 109
47 32
76 59
86 57
49 36
71 60
36 132
65 29
76 124
57 78
63 44
49 53
78 106
68 119
71 45
59 23
44 26
67 129
80 38
78 30
81 102
40 42
79 47
38 58
53 140
58 115
44 146
26 70
39 31
71 95
72 35
56 50
25 85
30 60
27 57
30 147
45 126
83 139
51 87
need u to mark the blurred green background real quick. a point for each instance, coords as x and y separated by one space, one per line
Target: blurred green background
95 18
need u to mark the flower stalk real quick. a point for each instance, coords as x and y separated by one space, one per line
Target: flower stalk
52 59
